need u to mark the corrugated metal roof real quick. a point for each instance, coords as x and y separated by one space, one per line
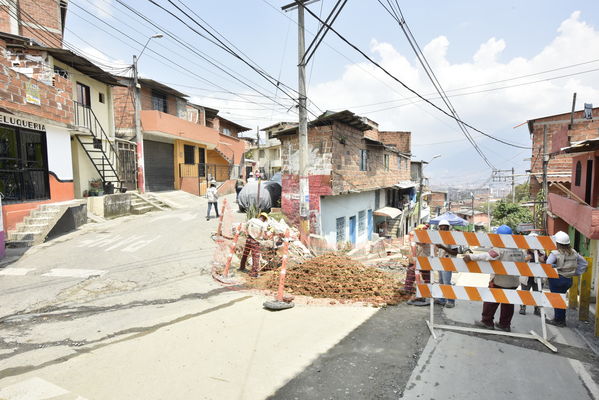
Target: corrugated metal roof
346 117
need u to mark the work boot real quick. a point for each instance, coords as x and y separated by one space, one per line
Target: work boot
418 302
481 324
450 304
537 311
508 329
523 310
559 324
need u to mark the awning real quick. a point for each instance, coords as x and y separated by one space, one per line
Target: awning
405 184
389 212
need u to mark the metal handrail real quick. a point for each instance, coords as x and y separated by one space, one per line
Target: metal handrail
95 126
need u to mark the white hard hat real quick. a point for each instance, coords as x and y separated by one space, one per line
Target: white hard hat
562 238
444 222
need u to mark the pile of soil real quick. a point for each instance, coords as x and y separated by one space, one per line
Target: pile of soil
337 276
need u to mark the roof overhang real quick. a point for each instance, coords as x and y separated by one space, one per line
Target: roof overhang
405 184
389 212
582 146
168 138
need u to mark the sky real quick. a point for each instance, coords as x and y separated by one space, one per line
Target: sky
501 63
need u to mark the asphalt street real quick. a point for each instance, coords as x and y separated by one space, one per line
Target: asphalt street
127 309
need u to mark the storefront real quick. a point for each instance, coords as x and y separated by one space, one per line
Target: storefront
23 160
35 166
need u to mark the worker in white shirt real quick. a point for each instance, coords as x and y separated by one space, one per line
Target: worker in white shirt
212 196
446 251
499 281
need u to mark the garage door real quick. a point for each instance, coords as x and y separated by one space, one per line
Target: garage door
160 174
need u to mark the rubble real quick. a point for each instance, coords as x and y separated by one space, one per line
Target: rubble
339 277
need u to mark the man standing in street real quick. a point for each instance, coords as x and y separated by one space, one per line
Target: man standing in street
212 197
500 282
445 276
255 230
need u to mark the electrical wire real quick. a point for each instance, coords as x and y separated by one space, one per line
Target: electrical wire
353 46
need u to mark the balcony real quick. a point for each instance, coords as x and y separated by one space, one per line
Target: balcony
581 216
170 126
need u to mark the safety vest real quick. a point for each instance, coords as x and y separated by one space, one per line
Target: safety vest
508 281
566 263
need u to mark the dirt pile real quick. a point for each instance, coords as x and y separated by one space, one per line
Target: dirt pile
337 276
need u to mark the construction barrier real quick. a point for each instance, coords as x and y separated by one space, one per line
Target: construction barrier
485 294
478 239
486 267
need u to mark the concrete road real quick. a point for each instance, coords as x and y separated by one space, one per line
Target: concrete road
127 309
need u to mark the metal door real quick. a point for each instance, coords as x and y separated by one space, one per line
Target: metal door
352 229
160 167
370 224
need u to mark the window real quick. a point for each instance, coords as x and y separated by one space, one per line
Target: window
399 162
386 161
363 160
83 95
159 101
340 222
377 199
361 222
227 131
189 154
261 154
61 72
101 98
577 177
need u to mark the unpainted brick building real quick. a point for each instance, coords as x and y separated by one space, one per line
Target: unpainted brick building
561 131
350 164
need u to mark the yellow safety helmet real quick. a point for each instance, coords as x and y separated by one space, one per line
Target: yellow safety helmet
263 214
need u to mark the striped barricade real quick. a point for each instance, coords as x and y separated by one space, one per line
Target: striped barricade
492 295
477 239
497 267
486 267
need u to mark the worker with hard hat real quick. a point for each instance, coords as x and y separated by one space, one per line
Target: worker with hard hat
499 281
568 263
446 251
256 229
422 250
530 282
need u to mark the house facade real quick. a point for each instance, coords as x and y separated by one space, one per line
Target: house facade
561 130
183 148
351 176
575 210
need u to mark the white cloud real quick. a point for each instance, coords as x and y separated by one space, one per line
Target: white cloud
104 8
101 59
494 112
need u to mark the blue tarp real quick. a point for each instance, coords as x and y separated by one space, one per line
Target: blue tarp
453 219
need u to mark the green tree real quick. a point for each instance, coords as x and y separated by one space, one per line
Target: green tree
510 214
522 193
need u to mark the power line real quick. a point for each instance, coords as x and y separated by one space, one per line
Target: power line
431 75
221 44
406 86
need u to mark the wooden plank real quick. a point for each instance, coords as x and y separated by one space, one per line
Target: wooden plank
573 294
585 291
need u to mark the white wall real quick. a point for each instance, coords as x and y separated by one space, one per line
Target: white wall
333 207
60 162
84 170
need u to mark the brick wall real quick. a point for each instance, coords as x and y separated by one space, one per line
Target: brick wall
124 109
346 166
319 185
56 100
45 13
557 130
400 140
4 18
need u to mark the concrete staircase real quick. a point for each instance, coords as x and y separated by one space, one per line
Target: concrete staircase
35 227
141 204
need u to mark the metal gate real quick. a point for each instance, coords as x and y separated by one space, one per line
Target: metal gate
159 165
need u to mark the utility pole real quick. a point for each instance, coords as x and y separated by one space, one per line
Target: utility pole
472 194
489 207
141 175
420 193
304 183
545 188
513 186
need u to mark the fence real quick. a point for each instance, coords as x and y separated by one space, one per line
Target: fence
493 295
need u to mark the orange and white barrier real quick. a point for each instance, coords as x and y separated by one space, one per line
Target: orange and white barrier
486 267
492 295
474 239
